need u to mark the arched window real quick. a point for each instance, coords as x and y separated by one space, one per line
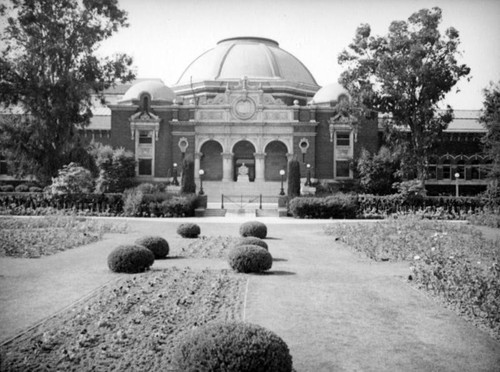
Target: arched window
446 165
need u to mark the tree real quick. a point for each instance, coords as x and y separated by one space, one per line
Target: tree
491 140
188 186
404 75
72 179
49 73
115 168
378 171
293 178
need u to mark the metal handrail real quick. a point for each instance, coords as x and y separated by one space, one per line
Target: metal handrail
241 203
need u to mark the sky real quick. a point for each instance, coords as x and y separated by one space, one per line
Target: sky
165 36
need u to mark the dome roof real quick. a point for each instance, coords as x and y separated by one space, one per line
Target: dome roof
254 57
329 93
155 88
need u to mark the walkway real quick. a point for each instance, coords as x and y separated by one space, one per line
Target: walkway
336 310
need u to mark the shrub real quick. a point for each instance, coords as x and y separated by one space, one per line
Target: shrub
189 230
155 244
132 200
22 188
72 179
130 259
6 188
233 346
293 178
35 189
252 240
253 228
116 168
335 206
188 186
249 259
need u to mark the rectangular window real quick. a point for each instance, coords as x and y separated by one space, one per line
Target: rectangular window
343 139
446 172
342 169
432 172
145 167
145 136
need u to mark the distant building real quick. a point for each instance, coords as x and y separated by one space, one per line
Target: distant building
249 101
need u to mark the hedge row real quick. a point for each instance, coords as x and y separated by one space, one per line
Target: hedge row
96 204
374 206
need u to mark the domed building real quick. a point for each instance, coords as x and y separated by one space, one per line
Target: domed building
242 110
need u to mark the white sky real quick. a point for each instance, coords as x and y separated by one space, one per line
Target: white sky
165 36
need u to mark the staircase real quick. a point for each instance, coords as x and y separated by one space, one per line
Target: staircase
242 198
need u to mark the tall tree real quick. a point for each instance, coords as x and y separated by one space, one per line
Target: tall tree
404 75
491 120
49 72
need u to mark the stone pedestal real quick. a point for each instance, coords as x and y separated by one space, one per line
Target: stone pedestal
243 178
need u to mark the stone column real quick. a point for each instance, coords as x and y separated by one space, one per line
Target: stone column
259 166
197 158
227 167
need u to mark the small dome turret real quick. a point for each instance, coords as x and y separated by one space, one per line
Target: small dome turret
158 92
331 93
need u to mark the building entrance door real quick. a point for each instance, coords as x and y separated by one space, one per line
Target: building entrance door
244 154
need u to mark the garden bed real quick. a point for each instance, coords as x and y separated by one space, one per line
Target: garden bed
453 262
132 324
36 237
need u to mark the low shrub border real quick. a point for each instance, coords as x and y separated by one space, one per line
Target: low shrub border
376 207
149 205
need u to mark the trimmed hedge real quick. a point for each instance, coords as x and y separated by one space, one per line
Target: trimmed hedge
249 259
189 230
130 259
374 206
154 205
253 228
232 346
336 206
155 244
252 240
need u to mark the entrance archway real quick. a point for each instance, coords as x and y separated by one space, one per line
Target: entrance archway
275 160
244 153
211 160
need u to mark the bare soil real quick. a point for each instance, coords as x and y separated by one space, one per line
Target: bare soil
131 324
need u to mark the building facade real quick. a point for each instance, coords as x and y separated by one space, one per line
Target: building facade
247 102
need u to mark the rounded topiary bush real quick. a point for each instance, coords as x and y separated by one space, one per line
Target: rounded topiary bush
253 228
252 240
155 244
250 259
189 230
232 346
130 259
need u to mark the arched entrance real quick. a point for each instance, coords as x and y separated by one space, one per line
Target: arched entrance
275 160
211 160
244 153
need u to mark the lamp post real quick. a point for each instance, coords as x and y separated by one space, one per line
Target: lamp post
201 172
308 181
457 177
282 173
175 182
